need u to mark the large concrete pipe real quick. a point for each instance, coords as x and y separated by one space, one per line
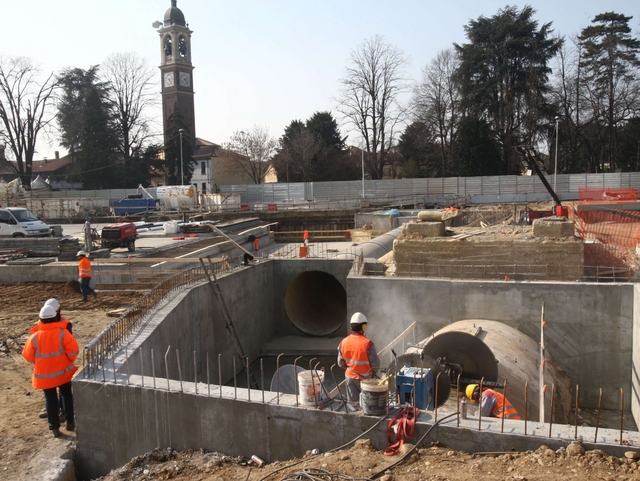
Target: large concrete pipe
316 303
518 361
377 247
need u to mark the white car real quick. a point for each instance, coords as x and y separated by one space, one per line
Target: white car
21 222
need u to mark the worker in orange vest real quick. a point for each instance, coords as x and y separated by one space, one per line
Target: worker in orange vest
53 302
84 275
358 356
493 403
305 237
53 349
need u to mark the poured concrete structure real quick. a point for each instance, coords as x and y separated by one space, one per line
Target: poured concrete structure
131 407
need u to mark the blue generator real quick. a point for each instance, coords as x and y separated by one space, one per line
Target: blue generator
416 386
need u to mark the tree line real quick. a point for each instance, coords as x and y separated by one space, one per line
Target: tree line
513 82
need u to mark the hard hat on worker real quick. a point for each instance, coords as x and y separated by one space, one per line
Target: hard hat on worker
53 303
47 312
81 253
358 318
471 388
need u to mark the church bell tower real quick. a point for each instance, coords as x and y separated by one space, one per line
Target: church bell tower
176 70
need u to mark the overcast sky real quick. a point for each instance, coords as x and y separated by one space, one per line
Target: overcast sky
262 62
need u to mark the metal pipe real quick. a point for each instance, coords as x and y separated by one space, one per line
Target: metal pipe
179 370
166 367
621 412
595 439
278 377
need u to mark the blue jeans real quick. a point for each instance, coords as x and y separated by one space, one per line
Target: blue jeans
85 289
53 409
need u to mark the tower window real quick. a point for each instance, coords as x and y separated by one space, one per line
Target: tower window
182 46
168 46
203 168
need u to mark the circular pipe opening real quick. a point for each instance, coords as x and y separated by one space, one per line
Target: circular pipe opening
316 303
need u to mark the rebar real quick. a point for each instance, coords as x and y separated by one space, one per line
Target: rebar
553 395
195 372
141 366
621 412
262 379
126 360
339 390
480 405
235 379
166 366
526 405
208 378
295 373
220 373
435 401
458 398
248 382
595 439
153 369
278 378
179 370
315 397
504 400
575 434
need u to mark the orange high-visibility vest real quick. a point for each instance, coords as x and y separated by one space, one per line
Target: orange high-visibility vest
84 268
52 349
355 351
503 407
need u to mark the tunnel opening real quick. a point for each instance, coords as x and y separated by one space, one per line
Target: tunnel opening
316 303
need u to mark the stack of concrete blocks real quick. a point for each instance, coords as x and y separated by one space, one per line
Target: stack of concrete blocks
36 247
68 248
431 223
553 227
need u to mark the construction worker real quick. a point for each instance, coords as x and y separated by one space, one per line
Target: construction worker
305 237
358 356
53 349
84 275
56 305
493 403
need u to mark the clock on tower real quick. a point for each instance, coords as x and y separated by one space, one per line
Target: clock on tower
176 70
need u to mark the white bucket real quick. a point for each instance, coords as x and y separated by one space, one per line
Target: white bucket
374 396
310 387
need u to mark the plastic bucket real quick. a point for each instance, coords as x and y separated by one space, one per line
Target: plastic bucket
374 397
303 251
559 212
310 387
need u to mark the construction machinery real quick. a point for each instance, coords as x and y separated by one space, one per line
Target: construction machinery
122 234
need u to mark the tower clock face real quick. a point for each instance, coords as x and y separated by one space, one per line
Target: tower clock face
168 79
185 79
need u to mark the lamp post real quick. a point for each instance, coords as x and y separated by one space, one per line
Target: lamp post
555 171
181 163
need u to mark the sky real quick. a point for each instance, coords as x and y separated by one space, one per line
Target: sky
262 63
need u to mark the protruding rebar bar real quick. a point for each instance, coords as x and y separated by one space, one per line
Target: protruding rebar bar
504 401
480 405
262 379
166 366
248 382
458 398
339 390
278 377
435 401
179 370
526 405
126 360
621 412
235 379
295 373
313 384
553 395
141 366
220 373
595 439
208 378
153 369
575 434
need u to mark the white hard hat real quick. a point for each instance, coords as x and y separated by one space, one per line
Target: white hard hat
81 253
48 312
53 303
358 318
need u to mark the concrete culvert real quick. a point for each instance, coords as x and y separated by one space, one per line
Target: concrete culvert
316 303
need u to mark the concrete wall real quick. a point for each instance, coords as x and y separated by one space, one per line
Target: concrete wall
44 273
589 329
635 368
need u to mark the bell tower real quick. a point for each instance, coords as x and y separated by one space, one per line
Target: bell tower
176 70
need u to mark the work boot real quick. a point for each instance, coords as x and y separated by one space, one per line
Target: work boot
83 300
43 414
56 433
62 418
95 294
71 426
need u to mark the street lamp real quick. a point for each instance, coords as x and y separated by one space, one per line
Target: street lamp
555 171
181 163
362 162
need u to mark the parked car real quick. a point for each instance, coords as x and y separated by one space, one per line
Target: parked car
21 222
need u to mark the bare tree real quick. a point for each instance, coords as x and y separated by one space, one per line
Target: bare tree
24 110
251 151
436 103
131 94
369 98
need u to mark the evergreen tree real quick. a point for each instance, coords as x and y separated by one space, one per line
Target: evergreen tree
476 152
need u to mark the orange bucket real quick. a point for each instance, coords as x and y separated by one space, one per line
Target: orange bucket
303 251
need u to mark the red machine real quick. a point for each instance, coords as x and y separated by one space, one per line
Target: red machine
123 234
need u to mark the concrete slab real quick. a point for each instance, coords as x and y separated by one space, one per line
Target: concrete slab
424 228
301 346
553 227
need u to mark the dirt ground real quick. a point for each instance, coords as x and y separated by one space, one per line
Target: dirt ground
22 433
24 436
